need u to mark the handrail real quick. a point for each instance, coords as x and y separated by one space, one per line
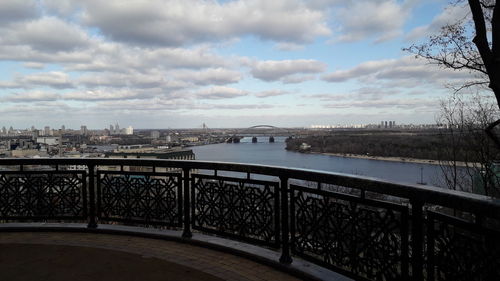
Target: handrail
428 194
278 213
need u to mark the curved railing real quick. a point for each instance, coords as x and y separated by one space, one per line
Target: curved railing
362 227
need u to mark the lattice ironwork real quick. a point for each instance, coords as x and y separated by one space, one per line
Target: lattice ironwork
43 195
239 208
461 250
360 237
140 198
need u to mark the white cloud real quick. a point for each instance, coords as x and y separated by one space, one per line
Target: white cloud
450 15
33 96
402 70
211 76
297 79
382 20
358 71
34 65
53 79
106 94
271 93
386 103
272 70
15 10
45 34
175 23
287 46
220 92
131 79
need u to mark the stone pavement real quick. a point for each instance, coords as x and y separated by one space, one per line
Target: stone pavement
218 264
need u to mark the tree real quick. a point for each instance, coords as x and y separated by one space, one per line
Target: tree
468 155
465 45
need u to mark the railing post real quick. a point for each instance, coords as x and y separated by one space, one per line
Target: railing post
187 205
285 227
417 239
92 198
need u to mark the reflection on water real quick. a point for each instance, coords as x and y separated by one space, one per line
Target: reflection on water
275 154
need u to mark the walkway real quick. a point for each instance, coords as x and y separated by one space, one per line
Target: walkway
80 257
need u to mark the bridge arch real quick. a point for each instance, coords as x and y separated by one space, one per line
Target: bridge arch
272 129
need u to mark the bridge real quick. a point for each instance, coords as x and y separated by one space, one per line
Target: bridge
258 131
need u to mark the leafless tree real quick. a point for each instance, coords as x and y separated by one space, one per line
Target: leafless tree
467 159
455 48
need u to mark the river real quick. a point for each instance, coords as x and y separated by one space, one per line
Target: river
275 154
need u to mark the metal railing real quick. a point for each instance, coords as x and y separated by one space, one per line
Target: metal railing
362 227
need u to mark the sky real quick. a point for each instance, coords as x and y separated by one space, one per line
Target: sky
179 64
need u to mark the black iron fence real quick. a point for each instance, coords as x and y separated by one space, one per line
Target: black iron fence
362 227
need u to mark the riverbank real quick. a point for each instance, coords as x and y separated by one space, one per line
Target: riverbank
390 159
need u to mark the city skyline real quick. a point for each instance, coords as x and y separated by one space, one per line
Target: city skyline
111 127
179 64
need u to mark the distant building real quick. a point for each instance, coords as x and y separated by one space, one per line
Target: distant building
83 130
35 134
155 135
129 130
48 140
46 131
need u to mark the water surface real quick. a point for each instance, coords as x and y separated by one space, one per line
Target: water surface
275 154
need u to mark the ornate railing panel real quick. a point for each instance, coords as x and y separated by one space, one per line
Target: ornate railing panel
43 195
144 198
240 208
358 236
458 249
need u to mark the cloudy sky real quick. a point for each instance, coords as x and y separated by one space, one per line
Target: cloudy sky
177 64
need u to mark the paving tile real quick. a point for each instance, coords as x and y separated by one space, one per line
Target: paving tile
219 264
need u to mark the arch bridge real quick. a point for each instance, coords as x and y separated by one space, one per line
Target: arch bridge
259 131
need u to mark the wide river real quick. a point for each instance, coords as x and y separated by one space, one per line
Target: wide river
275 154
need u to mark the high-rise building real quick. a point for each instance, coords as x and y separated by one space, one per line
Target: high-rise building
63 128
83 130
4 130
111 129
155 135
46 131
117 129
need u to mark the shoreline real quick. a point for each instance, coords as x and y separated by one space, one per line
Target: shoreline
390 159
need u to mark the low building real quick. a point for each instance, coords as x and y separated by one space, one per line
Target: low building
48 140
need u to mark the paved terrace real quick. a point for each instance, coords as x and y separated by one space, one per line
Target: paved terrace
89 256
